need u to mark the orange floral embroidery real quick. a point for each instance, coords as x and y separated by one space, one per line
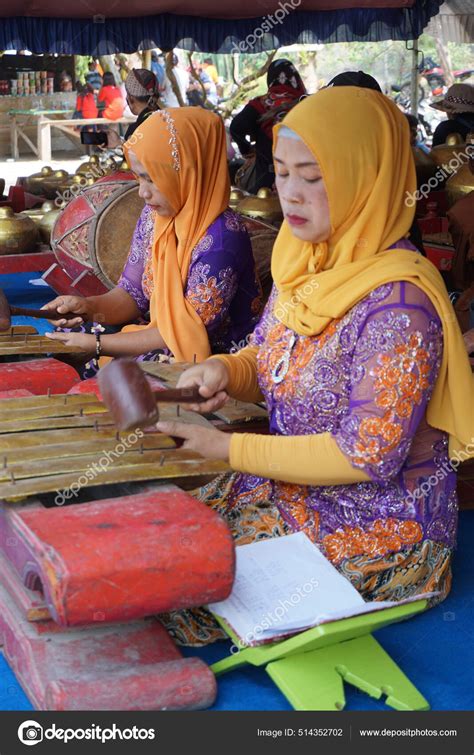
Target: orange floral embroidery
382 537
290 501
400 380
303 353
327 333
206 299
275 335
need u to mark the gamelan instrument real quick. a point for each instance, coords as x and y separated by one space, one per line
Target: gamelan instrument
92 236
95 534
23 341
47 441
129 397
31 376
235 415
101 540
18 233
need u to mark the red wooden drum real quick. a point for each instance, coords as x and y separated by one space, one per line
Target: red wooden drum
91 237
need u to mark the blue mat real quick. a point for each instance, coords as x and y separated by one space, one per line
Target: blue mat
435 650
21 293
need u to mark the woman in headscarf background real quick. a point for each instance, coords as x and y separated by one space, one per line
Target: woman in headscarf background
191 264
143 98
361 363
251 129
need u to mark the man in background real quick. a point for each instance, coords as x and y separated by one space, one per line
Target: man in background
210 69
182 79
93 77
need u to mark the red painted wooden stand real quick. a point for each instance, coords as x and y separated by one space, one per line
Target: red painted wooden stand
103 565
133 666
33 262
120 558
38 376
61 282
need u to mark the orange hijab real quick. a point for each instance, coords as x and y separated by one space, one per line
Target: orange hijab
184 152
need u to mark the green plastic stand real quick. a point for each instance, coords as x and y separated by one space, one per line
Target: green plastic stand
310 668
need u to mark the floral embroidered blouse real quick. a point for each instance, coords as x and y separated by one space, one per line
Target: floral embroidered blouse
365 382
222 285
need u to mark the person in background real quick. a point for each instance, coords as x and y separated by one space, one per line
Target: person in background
251 129
182 79
196 95
122 67
355 79
158 68
209 67
110 102
143 99
85 108
143 96
65 82
458 104
93 77
415 140
85 103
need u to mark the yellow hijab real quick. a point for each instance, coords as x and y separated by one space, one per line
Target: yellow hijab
184 152
361 142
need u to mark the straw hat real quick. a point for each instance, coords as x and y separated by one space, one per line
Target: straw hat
458 99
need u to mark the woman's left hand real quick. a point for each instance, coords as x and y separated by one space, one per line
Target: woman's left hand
213 444
83 341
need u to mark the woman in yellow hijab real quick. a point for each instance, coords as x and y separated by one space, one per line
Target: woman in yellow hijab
360 361
190 264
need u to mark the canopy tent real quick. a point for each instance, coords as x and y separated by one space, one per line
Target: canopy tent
100 27
455 20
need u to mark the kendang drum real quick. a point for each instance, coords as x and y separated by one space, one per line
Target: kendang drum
91 237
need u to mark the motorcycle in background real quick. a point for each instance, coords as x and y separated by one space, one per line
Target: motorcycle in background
432 82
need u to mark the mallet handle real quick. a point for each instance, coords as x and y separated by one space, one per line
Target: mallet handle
43 314
179 395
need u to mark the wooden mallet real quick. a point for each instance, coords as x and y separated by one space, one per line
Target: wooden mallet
6 312
130 399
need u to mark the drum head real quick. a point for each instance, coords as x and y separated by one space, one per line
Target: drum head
113 234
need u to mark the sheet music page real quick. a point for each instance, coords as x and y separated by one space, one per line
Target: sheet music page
284 584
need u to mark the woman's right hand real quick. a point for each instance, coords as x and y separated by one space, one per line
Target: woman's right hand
67 304
113 139
212 378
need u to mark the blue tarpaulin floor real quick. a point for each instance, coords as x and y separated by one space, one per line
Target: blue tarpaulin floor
21 293
434 649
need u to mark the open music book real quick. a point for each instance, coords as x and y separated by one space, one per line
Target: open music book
285 585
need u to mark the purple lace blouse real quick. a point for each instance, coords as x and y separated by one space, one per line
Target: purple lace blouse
222 286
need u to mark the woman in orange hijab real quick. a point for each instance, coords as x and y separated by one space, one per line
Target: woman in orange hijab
360 361
191 264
